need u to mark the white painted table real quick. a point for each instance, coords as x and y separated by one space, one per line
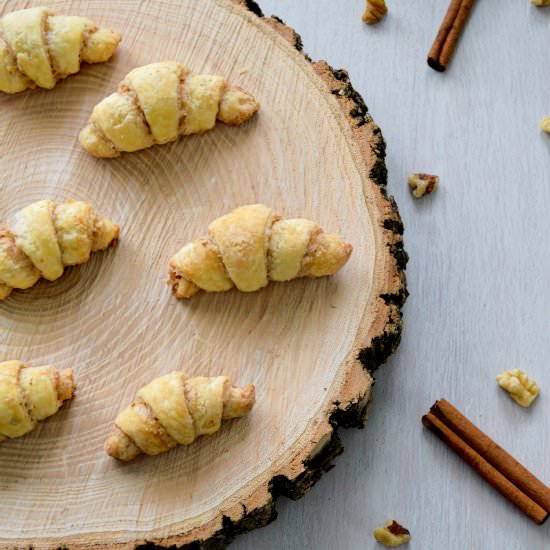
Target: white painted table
478 274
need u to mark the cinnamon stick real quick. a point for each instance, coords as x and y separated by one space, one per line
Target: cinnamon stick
449 33
520 476
486 470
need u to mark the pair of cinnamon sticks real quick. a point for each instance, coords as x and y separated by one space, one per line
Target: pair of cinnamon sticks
449 33
489 460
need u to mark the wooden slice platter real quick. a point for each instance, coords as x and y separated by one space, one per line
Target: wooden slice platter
309 346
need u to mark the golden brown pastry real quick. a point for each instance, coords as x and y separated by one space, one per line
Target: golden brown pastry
251 246
159 102
47 236
175 409
38 48
30 394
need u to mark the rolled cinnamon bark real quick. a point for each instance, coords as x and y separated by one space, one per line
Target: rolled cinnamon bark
518 474
488 472
449 33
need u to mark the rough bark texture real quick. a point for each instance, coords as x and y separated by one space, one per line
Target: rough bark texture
381 345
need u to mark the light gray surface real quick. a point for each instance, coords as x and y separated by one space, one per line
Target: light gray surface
478 273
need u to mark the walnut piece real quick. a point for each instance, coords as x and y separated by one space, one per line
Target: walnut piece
521 388
540 2
545 122
422 184
392 534
374 11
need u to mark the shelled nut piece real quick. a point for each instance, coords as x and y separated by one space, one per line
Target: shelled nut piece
422 184
540 2
521 388
374 11
392 534
545 122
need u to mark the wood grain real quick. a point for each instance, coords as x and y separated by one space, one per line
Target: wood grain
313 151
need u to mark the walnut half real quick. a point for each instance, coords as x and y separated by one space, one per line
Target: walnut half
521 388
422 184
374 11
392 534
540 2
